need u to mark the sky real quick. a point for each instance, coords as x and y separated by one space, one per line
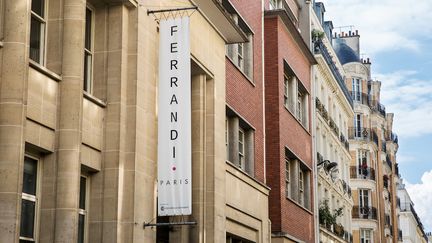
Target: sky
397 36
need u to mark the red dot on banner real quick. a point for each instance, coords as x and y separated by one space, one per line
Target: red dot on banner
174 168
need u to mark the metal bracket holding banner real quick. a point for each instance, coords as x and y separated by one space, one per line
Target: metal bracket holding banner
168 224
172 12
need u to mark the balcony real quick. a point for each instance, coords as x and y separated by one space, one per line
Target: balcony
388 161
360 98
384 146
346 188
320 48
321 109
359 133
375 138
378 107
364 212
334 127
344 141
362 173
392 137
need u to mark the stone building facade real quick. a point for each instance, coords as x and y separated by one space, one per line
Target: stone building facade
333 114
78 122
373 147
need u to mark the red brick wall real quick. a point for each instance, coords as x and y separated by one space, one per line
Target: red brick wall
282 129
244 96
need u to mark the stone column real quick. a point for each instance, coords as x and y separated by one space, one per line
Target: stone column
13 100
115 129
69 126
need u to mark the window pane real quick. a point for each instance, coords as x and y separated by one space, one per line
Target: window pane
81 224
27 218
35 40
82 198
38 7
30 176
88 29
87 71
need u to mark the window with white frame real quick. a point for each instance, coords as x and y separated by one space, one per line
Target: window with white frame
301 186
287 177
241 54
295 96
364 201
83 209
297 180
289 85
88 51
239 140
275 4
366 236
241 146
356 89
29 200
363 163
37 31
358 133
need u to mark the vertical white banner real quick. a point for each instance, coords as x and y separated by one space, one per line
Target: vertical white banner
174 119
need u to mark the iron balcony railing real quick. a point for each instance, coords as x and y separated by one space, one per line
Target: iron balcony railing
388 161
344 141
362 173
385 181
377 107
384 146
359 133
364 212
320 48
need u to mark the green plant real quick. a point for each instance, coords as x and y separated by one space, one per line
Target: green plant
326 217
317 34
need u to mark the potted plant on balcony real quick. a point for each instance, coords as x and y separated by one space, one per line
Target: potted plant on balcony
326 217
317 35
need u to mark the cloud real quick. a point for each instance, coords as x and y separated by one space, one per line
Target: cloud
421 195
384 25
410 99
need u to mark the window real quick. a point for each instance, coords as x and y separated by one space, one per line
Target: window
235 239
241 54
274 4
363 162
295 96
356 89
287 177
88 51
358 126
29 200
297 180
83 210
37 31
301 187
241 145
226 139
239 140
365 236
288 86
364 201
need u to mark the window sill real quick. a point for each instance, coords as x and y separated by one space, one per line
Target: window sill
241 71
95 100
45 70
246 174
299 205
295 118
1 44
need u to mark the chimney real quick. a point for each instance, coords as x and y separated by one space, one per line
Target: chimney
349 33
356 32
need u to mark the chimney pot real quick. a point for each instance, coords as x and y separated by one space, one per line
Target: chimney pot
356 32
350 33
